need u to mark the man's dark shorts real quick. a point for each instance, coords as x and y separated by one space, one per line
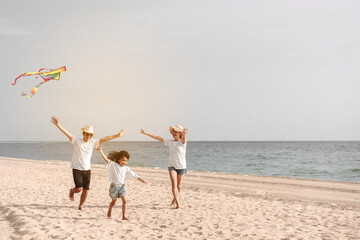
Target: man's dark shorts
82 178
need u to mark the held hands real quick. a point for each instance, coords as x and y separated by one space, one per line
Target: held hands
142 131
99 148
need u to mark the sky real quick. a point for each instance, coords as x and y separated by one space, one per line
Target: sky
232 70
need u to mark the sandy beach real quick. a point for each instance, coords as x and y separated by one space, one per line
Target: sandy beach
34 204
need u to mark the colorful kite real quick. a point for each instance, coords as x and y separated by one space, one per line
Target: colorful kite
47 76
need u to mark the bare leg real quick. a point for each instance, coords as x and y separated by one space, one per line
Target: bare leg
73 191
173 178
124 207
179 182
112 204
84 195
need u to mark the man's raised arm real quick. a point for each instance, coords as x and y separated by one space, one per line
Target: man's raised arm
108 138
55 121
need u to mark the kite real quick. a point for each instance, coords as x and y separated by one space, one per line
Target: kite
50 74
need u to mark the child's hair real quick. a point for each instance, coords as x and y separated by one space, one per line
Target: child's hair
116 156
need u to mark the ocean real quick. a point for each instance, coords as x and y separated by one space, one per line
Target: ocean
335 161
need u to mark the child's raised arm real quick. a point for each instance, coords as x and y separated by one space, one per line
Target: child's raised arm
102 154
153 136
55 121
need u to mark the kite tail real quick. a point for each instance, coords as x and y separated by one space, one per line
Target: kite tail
24 94
33 91
39 72
45 68
17 78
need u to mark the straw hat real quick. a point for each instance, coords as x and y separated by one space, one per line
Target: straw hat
177 128
88 129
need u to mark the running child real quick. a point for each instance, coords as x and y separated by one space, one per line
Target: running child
118 173
177 160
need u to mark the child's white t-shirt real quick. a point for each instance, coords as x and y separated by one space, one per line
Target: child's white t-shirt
177 153
119 174
82 153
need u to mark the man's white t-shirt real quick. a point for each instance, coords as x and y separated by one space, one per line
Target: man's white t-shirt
177 153
82 153
119 174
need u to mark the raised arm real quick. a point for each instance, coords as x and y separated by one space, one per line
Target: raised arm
183 136
108 138
55 121
102 154
153 136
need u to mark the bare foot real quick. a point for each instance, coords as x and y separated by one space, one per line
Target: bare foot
109 214
80 207
125 218
177 204
71 195
173 202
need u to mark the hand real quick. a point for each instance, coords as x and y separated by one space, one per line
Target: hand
99 148
55 120
121 133
184 131
141 180
142 131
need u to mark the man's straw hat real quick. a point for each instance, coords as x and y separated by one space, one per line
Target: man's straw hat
88 129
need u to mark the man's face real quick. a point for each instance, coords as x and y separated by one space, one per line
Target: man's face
87 136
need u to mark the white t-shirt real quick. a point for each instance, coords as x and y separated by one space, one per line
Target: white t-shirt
177 153
82 153
118 174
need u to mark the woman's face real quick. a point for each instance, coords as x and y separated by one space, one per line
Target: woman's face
175 134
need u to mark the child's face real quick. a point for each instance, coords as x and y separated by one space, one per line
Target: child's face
123 161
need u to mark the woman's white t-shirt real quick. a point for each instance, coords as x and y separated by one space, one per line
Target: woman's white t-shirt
177 153
82 153
119 174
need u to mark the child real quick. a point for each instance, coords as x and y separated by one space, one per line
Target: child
177 160
80 163
118 173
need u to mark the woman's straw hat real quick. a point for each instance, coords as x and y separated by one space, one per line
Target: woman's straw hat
88 129
177 128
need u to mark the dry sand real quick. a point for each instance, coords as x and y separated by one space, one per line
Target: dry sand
34 204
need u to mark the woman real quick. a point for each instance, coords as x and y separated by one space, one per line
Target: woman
177 160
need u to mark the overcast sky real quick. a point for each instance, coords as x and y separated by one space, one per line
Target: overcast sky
227 70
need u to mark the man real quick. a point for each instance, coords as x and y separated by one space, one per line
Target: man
80 163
